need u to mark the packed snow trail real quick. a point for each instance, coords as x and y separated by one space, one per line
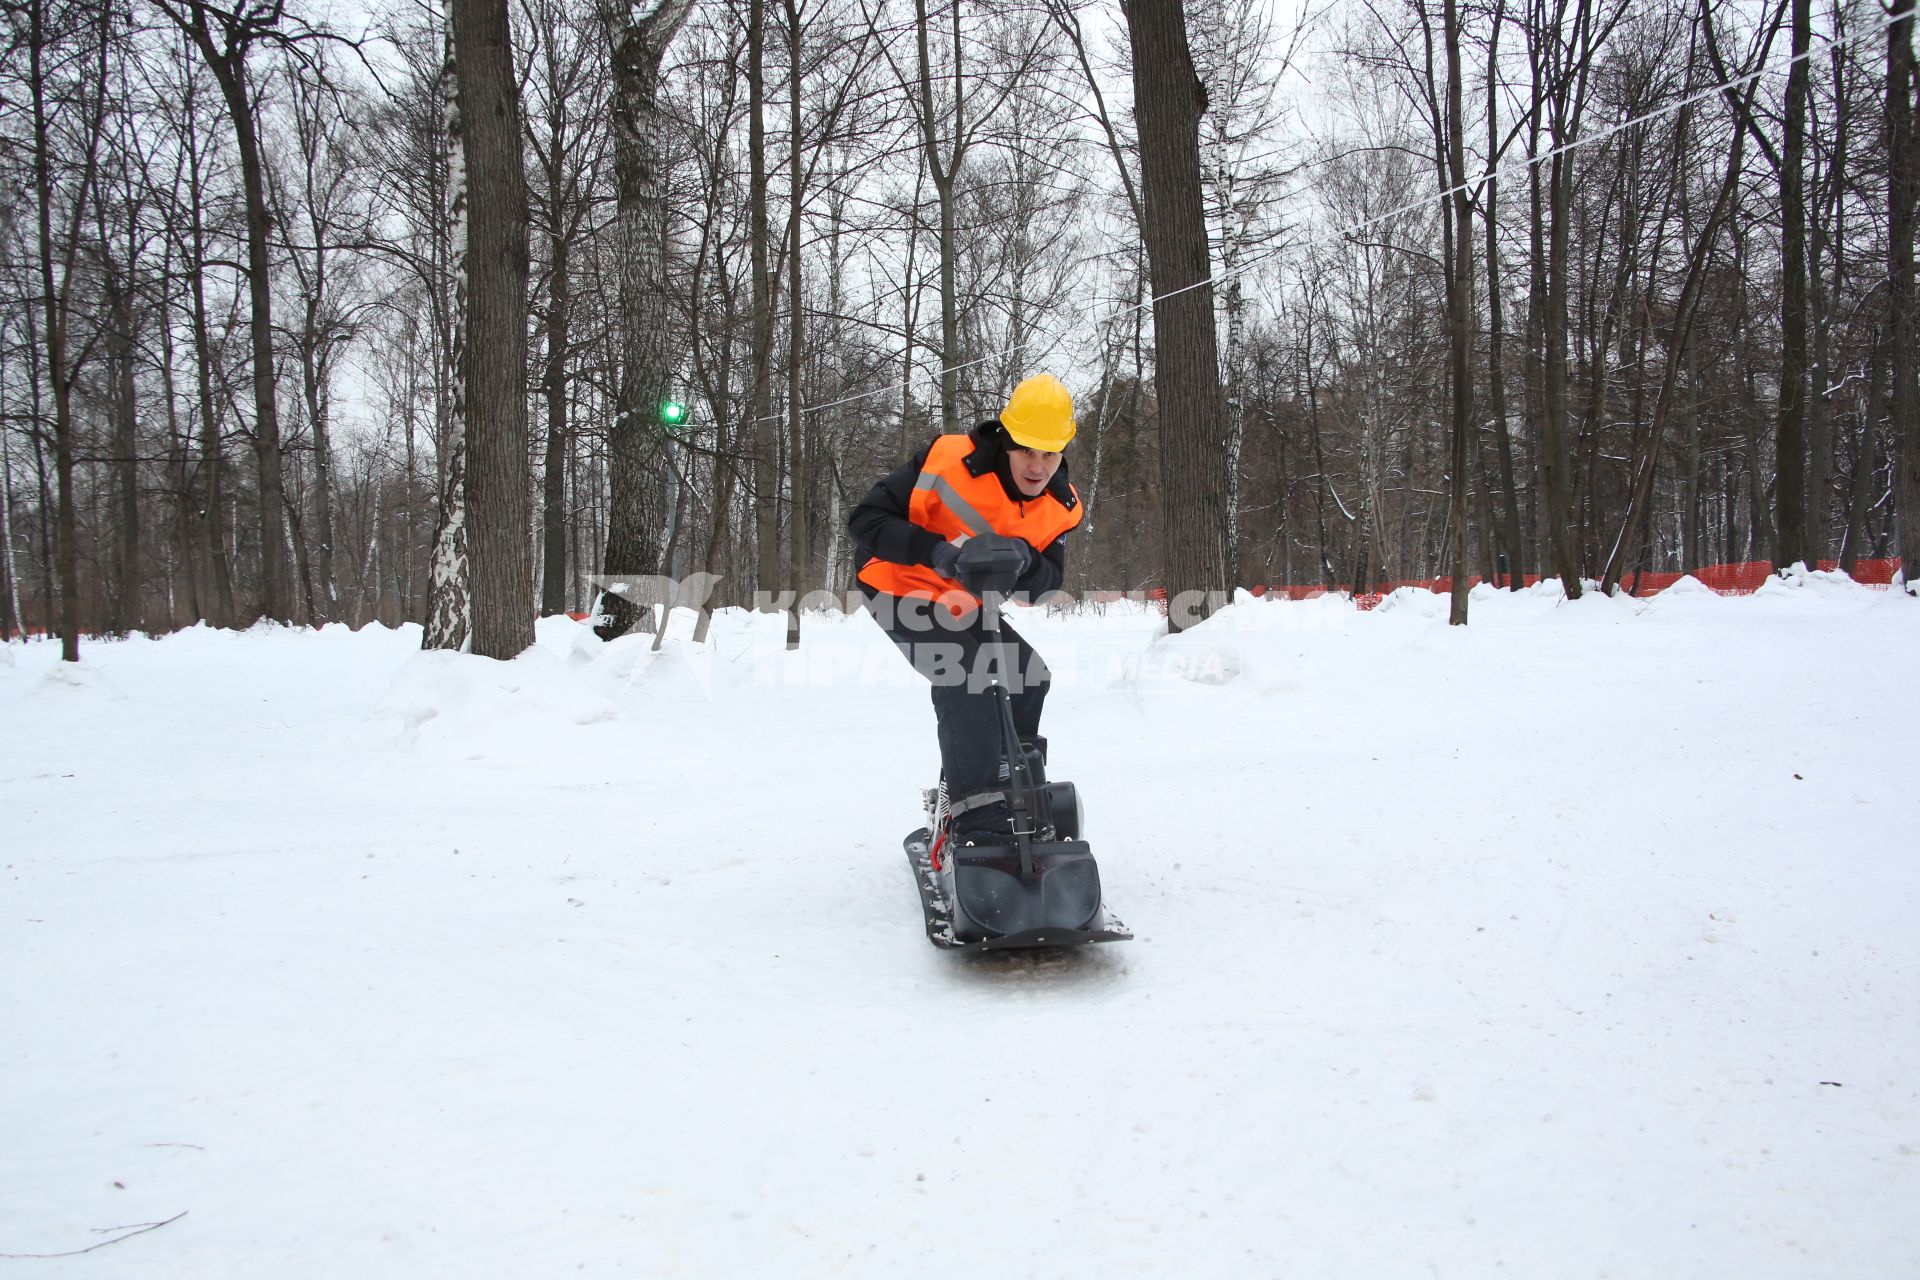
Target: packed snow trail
1575 943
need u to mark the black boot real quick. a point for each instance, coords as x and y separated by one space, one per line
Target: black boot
990 823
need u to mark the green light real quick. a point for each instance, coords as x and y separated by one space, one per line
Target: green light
672 413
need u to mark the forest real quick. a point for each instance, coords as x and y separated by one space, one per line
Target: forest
459 314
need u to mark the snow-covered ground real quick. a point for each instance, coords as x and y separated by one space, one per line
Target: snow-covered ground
1583 941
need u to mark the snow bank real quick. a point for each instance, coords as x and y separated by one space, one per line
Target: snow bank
478 706
75 685
1688 587
1418 602
1801 586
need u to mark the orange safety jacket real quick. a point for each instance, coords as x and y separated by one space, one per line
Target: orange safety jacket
951 501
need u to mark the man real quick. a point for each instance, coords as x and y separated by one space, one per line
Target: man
923 532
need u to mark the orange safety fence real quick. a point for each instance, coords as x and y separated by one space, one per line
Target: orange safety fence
1742 579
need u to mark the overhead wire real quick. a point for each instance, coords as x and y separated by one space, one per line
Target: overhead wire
1413 206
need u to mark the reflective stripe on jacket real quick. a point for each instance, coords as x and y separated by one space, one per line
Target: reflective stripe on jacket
949 500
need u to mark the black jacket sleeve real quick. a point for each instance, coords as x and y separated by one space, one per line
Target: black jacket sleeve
1047 572
881 526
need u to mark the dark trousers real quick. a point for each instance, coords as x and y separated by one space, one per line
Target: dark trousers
961 662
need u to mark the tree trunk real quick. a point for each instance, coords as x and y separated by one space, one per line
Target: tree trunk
766 463
182 557
1563 52
1233 245
1629 542
1496 335
314 377
1903 185
496 376
798 534
1860 495
1555 457
909 320
57 299
229 67
638 34
16 620
1192 413
553 506
449 592
123 580
945 170
275 596
1459 322
1826 242
1545 509
313 380
1324 486
43 482
1691 558
1792 542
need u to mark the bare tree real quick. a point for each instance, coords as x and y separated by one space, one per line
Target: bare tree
1240 62
797 521
766 462
1903 188
638 35
67 50
1564 45
1794 537
1628 543
226 39
1459 311
1168 102
566 89
324 198
953 107
1511 536
496 350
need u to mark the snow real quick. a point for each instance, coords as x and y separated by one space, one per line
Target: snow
1578 942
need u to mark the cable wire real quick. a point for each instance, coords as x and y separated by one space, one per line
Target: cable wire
1339 233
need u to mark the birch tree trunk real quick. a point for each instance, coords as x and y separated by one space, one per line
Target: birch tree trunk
1233 228
449 601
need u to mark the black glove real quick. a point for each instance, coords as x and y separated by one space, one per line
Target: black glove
993 562
945 557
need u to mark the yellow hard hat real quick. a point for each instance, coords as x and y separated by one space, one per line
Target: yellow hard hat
1039 414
